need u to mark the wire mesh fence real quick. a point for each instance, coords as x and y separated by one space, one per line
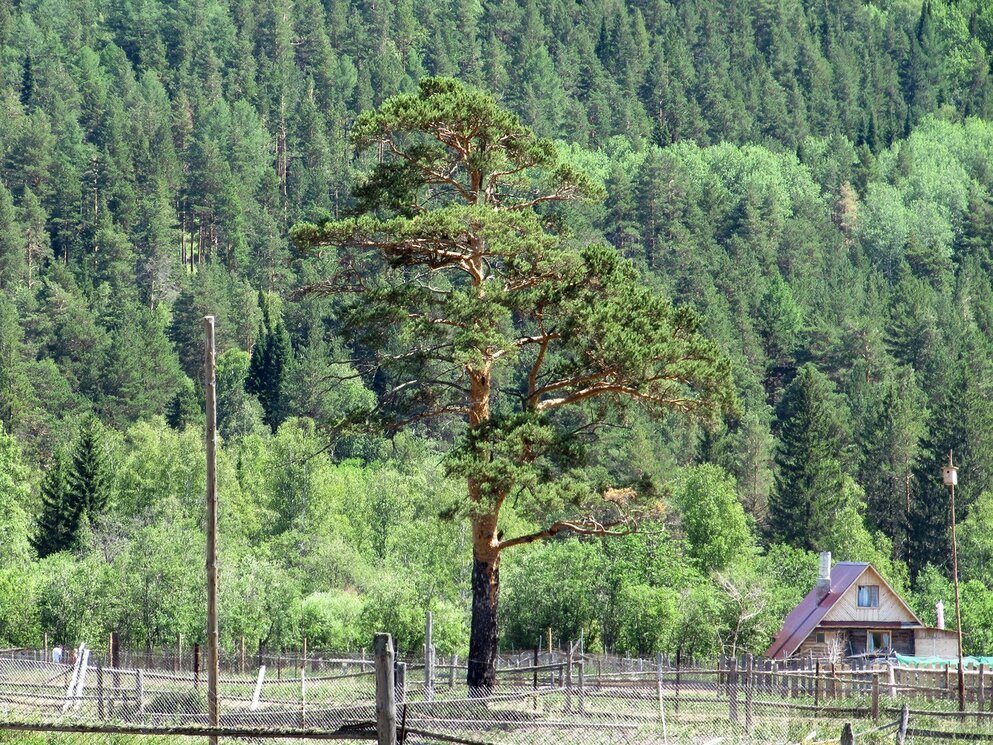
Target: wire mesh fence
582 699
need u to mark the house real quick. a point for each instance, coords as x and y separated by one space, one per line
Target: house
853 611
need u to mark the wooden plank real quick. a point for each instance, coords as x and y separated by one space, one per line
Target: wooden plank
942 735
84 665
190 731
71 688
258 689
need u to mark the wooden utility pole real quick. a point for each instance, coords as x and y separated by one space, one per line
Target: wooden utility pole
209 386
950 476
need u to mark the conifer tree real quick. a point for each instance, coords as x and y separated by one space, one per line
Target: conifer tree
471 306
808 490
269 366
58 522
184 409
89 484
13 257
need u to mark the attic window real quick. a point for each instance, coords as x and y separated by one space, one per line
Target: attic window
868 596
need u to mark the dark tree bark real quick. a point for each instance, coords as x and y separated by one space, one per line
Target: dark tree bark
484 636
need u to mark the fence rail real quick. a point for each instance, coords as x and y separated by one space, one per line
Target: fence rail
568 695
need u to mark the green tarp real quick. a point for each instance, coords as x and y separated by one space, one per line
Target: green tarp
940 661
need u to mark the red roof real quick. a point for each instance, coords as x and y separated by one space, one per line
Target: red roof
804 618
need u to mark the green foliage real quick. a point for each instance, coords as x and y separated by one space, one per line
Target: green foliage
270 363
717 530
808 493
798 184
330 620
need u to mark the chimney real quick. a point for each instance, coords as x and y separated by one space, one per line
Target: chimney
939 609
823 586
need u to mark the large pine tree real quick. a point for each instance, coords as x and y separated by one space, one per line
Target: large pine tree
468 303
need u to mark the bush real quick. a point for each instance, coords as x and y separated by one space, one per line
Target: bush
332 620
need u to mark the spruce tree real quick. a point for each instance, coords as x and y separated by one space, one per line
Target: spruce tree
57 524
269 366
89 475
808 490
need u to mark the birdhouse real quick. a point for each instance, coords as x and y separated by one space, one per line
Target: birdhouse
950 475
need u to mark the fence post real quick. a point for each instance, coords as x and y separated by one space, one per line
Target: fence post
401 683
428 657
100 711
568 678
386 713
139 692
981 688
658 683
749 688
534 670
303 697
582 684
679 665
817 684
451 671
196 665
847 735
901 733
733 689
875 696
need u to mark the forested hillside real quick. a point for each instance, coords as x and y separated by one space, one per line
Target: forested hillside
812 176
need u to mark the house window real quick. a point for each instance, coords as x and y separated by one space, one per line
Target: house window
868 596
878 640
819 637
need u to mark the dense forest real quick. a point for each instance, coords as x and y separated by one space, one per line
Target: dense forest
812 177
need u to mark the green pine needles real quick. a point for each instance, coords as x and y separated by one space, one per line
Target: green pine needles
466 297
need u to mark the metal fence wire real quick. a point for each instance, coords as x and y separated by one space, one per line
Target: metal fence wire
581 699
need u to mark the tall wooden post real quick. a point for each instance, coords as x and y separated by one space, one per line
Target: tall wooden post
428 657
950 477
534 669
210 388
386 713
749 688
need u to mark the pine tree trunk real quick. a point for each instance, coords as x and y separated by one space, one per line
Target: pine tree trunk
484 633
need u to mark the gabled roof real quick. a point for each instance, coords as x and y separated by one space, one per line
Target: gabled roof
803 619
